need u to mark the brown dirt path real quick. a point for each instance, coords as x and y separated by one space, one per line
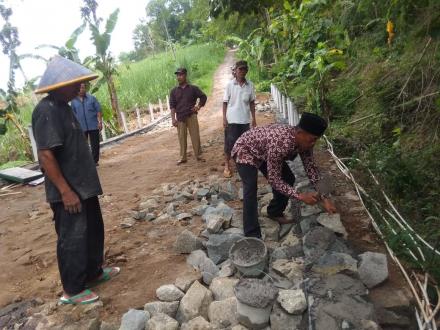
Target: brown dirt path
128 171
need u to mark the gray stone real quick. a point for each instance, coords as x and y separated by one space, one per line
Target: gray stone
223 314
108 326
266 198
214 222
281 320
240 193
339 246
291 240
195 303
222 210
391 319
223 287
171 209
279 281
233 230
218 246
187 242
369 325
334 262
227 269
239 327
332 222
270 229
308 210
134 320
209 270
237 219
199 209
227 191
139 215
162 219
308 223
202 192
196 258
149 205
338 285
150 217
290 269
317 241
184 282
169 292
179 197
373 268
156 307
352 309
293 301
127 223
197 323
183 216
162 321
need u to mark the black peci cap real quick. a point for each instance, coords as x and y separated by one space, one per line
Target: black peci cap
312 124
181 70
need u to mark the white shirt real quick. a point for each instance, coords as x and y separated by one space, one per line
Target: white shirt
239 99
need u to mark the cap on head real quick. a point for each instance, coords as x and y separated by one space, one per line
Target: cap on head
312 124
181 71
62 72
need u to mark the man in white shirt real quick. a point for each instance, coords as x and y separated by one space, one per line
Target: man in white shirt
238 110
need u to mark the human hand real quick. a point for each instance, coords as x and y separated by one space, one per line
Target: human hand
310 198
100 125
71 201
225 123
174 122
254 123
329 206
196 108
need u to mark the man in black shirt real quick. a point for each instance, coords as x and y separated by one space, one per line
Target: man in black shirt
183 99
71 182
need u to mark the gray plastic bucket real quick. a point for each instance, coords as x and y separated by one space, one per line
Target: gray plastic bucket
249 256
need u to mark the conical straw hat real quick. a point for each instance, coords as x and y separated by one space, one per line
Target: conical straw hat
61 72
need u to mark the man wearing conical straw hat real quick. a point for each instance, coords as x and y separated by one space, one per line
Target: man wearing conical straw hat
72 182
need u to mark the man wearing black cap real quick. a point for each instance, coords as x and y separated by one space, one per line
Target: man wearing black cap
267 149
184 109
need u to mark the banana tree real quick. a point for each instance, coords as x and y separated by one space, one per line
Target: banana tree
103 61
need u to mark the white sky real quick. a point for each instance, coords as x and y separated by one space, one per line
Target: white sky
53 21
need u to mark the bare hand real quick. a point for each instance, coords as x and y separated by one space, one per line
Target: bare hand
174 122
225 123
196 108
310 198
329 206
254 123
71 202
100 125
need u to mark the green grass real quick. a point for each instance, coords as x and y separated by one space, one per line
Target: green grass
148 80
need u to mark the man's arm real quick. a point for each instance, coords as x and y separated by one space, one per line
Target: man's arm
98 112
225 109
51 168
254 119
173 105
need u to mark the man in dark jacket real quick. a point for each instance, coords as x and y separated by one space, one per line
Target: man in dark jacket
184 109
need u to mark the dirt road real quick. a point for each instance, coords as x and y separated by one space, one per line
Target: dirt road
128 172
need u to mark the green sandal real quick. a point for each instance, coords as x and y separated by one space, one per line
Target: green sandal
80 298
107 274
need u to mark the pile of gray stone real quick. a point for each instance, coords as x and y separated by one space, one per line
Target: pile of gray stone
321 282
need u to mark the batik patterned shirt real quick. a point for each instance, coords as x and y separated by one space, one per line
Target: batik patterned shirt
274 144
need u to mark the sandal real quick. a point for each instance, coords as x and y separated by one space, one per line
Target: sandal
282 220
182 161
227 173
107 274
84 297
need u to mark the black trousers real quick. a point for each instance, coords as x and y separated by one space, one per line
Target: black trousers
276 207
93 137
232 133
80 245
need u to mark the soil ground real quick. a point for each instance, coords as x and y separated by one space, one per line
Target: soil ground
129 171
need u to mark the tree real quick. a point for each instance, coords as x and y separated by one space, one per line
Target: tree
9 41
103 60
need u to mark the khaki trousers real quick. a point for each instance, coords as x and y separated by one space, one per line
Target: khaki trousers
192 125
